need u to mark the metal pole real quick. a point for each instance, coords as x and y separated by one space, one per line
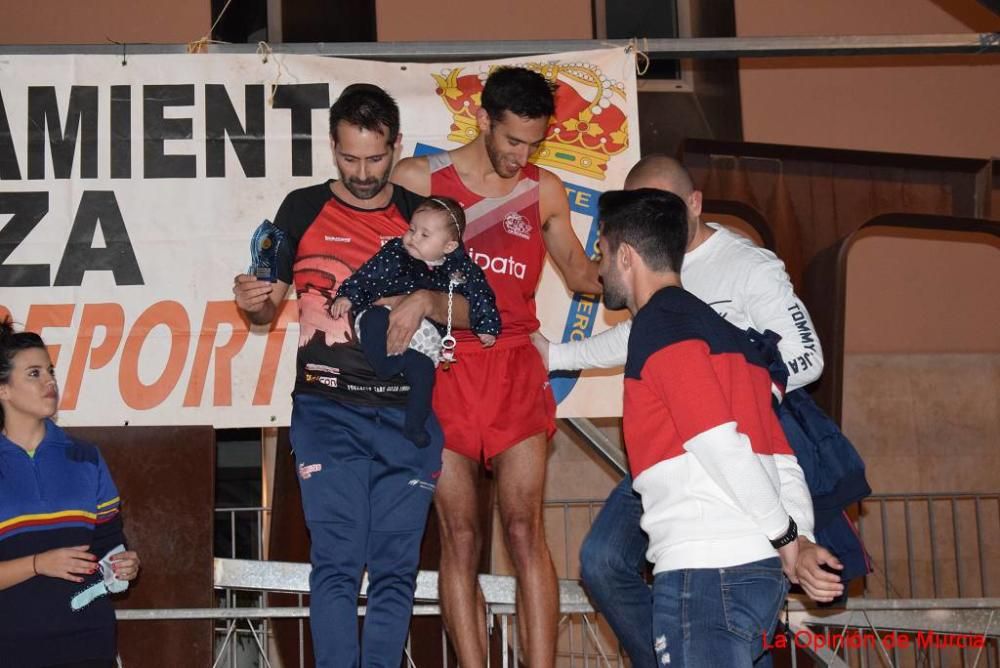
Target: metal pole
685 47
600 443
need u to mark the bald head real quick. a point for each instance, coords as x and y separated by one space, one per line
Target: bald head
660 172
663 173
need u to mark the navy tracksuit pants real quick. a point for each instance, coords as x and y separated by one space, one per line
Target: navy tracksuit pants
366 492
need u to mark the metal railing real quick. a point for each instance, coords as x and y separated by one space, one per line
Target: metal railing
939 546
244 638
933 545
935 562
236 645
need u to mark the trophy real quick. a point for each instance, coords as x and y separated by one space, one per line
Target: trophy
264 245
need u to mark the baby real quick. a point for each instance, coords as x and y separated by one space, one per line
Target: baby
426 257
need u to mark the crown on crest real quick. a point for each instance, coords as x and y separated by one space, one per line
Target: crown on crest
588 128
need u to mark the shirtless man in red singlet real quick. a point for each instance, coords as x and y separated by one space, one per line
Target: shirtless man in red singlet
495 406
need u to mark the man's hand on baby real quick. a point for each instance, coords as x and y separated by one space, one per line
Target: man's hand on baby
341 305
487 339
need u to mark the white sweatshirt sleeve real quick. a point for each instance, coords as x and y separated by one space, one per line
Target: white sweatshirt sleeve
795 497
683 376
606 350
771 304
727 457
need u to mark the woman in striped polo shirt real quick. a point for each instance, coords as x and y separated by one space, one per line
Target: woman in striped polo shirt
61 543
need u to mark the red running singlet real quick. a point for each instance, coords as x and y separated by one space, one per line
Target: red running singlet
503 235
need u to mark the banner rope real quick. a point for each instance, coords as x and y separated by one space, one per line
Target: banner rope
265 52
641 55
642 60
197 46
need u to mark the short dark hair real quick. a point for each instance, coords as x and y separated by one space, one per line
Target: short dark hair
653 222
453 210
520 91
11 343
368 107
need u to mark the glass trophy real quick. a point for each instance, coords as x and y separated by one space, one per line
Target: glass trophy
264 246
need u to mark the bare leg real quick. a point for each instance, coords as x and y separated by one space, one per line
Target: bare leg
462 605
522 629
520 475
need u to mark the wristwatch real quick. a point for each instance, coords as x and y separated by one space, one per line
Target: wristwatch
788 537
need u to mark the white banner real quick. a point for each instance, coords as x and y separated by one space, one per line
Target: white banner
128 195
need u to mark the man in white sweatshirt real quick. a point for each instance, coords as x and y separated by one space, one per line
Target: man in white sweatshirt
749 287
744 283
723 497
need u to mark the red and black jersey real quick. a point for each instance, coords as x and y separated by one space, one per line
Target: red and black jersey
326 241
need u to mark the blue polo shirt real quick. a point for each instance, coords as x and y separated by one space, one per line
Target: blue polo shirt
63 496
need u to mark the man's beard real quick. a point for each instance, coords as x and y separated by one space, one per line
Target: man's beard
366 189
496 159
613 295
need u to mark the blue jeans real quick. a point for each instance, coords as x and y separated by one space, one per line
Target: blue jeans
613 566
717 616
366 492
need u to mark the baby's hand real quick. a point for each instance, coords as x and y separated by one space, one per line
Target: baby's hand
341 305
487 339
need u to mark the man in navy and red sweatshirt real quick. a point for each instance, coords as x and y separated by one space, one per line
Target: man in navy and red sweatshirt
724 499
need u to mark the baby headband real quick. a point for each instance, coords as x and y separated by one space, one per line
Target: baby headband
451 213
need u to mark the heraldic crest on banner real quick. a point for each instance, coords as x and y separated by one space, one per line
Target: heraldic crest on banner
588 129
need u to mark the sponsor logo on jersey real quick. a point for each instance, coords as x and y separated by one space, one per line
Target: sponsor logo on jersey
507 266
517 225
322 380
336 239
322 367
